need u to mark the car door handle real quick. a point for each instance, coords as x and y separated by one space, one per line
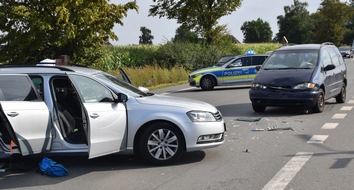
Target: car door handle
94 115
12 114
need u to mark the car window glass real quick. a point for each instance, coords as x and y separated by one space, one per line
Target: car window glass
292 59
17 88
325 57
258 60
90 90
334 57
236 63
38 83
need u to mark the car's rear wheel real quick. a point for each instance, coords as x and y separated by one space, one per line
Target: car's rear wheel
340 98
161 143
319 107
207 83
258 108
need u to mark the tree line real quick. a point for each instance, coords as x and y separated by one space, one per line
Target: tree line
31 31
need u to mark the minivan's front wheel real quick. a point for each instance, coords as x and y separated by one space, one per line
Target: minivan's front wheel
258 108
161 143
207 83
340 98
319 107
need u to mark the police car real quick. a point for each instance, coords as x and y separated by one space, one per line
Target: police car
239 70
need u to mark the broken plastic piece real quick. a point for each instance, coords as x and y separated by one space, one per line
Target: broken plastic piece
250 119
275 128
257 129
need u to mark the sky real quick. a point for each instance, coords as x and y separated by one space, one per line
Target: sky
164 30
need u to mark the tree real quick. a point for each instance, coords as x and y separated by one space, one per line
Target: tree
35 30
184 35
256 31
296 25
146 37
200 16
333 16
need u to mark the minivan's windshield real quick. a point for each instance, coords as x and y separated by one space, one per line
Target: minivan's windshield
122 86
292 59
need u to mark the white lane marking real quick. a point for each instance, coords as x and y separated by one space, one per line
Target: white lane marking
339 116
351 101
347 108
288 172
329 125
318 139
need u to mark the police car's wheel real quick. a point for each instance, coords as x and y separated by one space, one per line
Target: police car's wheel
319 107
162 143
340 98
258 108
207 83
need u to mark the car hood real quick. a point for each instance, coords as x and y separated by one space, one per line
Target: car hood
284 77
207 69
171 101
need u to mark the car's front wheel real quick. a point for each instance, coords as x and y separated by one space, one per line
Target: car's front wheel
207 83
319 107
162 143
340 98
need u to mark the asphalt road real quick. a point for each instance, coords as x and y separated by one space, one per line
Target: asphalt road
308 151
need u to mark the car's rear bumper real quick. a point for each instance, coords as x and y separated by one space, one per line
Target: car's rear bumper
284 98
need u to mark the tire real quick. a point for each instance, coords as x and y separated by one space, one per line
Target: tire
340 98
207 83
319 107
258 108
161 144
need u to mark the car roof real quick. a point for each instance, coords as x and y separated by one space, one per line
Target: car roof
306 46
11 69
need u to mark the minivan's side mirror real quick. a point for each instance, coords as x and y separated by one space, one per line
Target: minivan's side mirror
329 67
258 67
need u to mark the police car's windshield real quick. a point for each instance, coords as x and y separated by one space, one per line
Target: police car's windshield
224 60
294 59
120 85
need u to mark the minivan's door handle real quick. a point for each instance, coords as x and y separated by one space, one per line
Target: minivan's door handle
12 114
94 115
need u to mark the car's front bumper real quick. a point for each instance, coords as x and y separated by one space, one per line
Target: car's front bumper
203 135
284 98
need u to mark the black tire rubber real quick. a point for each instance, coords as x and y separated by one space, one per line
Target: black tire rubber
161 144
319 107
340 98
258 108
207 83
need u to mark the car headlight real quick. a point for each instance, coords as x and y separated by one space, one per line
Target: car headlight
306 85
257 85
195 75
200 116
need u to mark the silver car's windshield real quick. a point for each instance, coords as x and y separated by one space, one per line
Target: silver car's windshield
298 59
120 85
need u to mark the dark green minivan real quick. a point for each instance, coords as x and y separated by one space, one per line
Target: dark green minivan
300 75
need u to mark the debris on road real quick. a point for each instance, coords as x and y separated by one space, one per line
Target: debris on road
249 119
257 129
275 128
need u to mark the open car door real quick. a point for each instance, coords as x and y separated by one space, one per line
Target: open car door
25 118
107 118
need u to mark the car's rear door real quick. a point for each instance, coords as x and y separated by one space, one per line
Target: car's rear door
107 119
25 116
256 61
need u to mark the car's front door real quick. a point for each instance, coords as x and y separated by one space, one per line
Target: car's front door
25 116
237 71
107 119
